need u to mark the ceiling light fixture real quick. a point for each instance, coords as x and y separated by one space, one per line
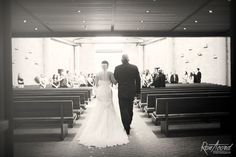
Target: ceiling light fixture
24 20
196 21
141 21
210 11
185 28
137 28
78 11
147 11
84 21
36 28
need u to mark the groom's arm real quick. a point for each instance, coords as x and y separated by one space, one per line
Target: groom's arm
115 73
137 80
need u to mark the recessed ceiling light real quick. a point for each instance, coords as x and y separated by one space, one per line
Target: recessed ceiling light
24 20
137 28
36 28
210 11
78 11
147 11
185 28
84 21
141 21
196 21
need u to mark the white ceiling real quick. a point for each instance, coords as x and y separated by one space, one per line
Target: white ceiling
91 17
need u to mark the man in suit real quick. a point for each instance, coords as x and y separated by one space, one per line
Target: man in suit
161 79
174 78
128 78
198 76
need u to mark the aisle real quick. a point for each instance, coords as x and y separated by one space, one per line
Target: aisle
143 142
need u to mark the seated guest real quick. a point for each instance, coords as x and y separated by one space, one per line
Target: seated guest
20 81
198 76
186 77
55 81
70 78
42 81
142 76
63 79
147 79
82 80
90 80
174 78
76 80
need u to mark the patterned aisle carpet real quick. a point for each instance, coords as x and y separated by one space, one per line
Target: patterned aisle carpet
145 140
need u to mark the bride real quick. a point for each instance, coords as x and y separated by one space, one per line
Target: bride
104 127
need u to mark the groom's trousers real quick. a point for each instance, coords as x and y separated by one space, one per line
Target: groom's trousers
126 111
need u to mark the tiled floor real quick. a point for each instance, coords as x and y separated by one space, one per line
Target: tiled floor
145 140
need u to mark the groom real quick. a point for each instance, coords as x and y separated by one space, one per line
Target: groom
127 76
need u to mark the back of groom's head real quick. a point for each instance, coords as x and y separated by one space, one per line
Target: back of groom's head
125 58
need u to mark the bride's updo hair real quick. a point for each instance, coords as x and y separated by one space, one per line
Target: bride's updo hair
105 62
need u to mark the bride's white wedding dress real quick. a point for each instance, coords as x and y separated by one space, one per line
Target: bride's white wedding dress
104 127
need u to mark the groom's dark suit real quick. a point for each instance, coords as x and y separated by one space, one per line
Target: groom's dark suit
128 78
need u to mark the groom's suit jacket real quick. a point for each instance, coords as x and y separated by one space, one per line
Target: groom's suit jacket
128 78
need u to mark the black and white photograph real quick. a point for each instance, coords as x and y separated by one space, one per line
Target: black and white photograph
117 78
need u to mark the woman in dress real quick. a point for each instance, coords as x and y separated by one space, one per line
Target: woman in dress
20 81
55 81
104 127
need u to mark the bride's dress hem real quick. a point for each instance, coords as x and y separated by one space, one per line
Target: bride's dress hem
103 146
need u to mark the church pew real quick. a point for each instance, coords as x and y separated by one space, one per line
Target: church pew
191 85
75 100
151 98
87 90
44 114
143 95
82 95
182 110
32 87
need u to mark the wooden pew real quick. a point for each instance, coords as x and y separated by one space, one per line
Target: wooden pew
83 96
181 110
143 101
75 100
43 113
151 98
86 90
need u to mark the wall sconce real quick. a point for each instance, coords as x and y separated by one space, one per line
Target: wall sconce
199 54
206 46
215 57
